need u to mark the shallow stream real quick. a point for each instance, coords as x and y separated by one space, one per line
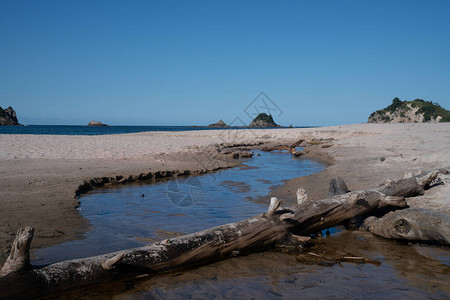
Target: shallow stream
135 215
125 216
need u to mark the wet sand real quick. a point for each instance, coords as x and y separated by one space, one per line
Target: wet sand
39 175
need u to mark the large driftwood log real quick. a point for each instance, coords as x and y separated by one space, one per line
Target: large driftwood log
413 224
311 217
254 234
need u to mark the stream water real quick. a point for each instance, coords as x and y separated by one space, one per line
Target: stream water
134 215
125 216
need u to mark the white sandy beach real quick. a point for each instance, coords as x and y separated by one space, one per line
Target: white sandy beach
428 142
39 174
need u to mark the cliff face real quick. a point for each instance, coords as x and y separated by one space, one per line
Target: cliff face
417 111
263 120
8 117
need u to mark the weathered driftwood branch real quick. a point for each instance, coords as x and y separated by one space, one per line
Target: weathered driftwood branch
254 234
302 196
311 217
337 187
19 257
290 148
113 261
273 206
413 224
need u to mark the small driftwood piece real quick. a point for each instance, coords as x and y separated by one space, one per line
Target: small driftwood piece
313 258
19 257
413 224
302 196
337 187
278 147
290 148
358 260
257 233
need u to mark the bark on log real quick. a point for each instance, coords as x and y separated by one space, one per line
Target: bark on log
254 234
413 224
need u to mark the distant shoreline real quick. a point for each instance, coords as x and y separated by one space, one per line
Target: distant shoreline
112 129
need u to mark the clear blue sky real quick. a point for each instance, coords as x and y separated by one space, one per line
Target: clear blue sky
194 62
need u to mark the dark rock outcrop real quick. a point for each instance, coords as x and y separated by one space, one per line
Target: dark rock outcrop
219 124
263 120
96 124
8 117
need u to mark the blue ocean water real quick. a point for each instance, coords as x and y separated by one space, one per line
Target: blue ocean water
85 130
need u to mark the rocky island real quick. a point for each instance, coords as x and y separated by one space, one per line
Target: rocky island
8 117
263 120
96 124
417 111
219 124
